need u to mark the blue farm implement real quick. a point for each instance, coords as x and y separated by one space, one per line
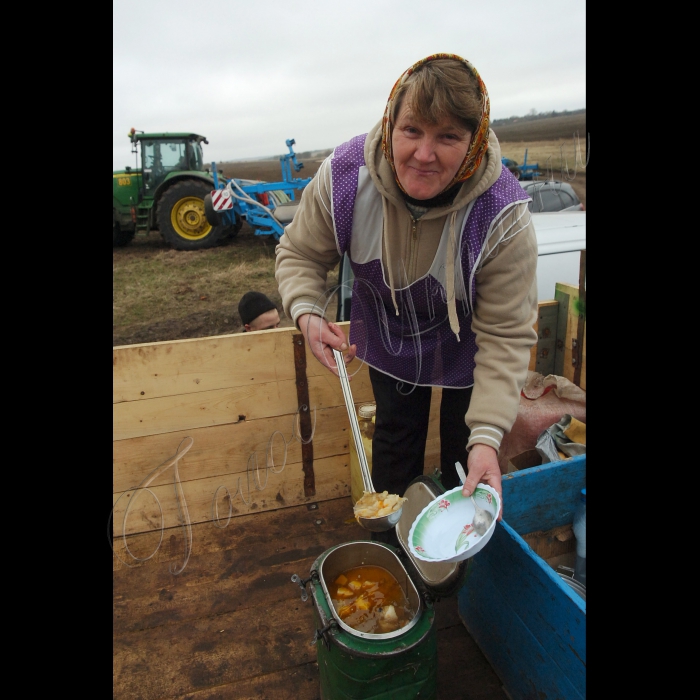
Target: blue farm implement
266 206
526 171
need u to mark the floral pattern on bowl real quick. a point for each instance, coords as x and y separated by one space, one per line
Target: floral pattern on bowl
440 507
463 539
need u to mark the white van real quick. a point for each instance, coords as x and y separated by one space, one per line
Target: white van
561 236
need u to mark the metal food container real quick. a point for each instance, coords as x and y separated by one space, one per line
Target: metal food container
399 665
352 554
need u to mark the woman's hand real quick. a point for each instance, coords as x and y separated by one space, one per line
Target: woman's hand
482 467
323 337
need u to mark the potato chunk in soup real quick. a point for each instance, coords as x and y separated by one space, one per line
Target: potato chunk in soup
371 600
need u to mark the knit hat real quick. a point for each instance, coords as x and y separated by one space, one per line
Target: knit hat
252 304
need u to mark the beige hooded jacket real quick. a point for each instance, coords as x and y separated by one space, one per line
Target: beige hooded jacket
506 289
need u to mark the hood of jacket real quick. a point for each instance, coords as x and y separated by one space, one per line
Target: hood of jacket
382 175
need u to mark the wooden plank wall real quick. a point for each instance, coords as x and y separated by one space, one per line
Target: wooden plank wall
559 324
235 395
542 354
572 324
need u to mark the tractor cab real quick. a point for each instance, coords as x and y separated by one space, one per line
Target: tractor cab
165 153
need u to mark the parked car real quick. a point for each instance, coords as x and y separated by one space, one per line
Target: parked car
561 236
552 195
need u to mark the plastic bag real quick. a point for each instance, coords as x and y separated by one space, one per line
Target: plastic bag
543 402
564 439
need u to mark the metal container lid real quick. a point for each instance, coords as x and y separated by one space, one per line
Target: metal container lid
441 579
366 410
573 583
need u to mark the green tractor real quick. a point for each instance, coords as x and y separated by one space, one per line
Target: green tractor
166 193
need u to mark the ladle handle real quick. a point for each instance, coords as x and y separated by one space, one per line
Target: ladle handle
354 423
460 472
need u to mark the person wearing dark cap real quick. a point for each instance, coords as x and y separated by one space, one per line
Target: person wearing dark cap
257 312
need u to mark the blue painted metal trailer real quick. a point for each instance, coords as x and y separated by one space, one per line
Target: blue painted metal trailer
528 622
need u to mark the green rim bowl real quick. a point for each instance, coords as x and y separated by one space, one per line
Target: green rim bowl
442 531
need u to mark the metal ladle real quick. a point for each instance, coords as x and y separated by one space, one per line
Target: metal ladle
383 522
482 518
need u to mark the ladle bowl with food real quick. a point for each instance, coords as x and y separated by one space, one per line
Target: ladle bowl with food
377 512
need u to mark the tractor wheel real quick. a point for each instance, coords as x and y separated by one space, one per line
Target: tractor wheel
120 238
213 216
216 219
182 220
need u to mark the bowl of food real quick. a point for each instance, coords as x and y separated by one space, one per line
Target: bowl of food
443 530
369 590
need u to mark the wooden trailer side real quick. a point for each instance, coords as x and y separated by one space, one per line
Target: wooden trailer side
239 397
235 396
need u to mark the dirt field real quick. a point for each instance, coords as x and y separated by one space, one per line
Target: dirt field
553 128
161 294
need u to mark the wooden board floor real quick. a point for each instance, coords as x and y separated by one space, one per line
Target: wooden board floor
232 624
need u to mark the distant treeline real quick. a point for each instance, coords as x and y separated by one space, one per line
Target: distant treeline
300 156
314 154
512 128
532 116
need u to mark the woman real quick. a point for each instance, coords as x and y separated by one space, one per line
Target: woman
444 256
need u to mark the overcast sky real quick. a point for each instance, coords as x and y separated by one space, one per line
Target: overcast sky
248 75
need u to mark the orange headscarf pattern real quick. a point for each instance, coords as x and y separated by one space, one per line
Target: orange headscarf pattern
480 139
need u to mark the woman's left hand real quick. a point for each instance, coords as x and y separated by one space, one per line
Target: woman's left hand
482 467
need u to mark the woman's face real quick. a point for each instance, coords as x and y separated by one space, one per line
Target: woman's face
427 156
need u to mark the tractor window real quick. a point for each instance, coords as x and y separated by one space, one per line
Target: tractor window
173 155
156 157
148 155
196 158
164 156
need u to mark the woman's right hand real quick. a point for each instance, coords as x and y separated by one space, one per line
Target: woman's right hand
322 338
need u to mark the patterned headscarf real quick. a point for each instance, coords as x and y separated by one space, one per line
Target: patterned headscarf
480 138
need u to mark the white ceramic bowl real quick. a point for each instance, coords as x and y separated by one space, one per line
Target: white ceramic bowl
442 531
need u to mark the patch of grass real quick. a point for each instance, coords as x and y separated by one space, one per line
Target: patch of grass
164 283
163 294
551 156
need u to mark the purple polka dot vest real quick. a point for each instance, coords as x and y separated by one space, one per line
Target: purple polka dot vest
416 346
